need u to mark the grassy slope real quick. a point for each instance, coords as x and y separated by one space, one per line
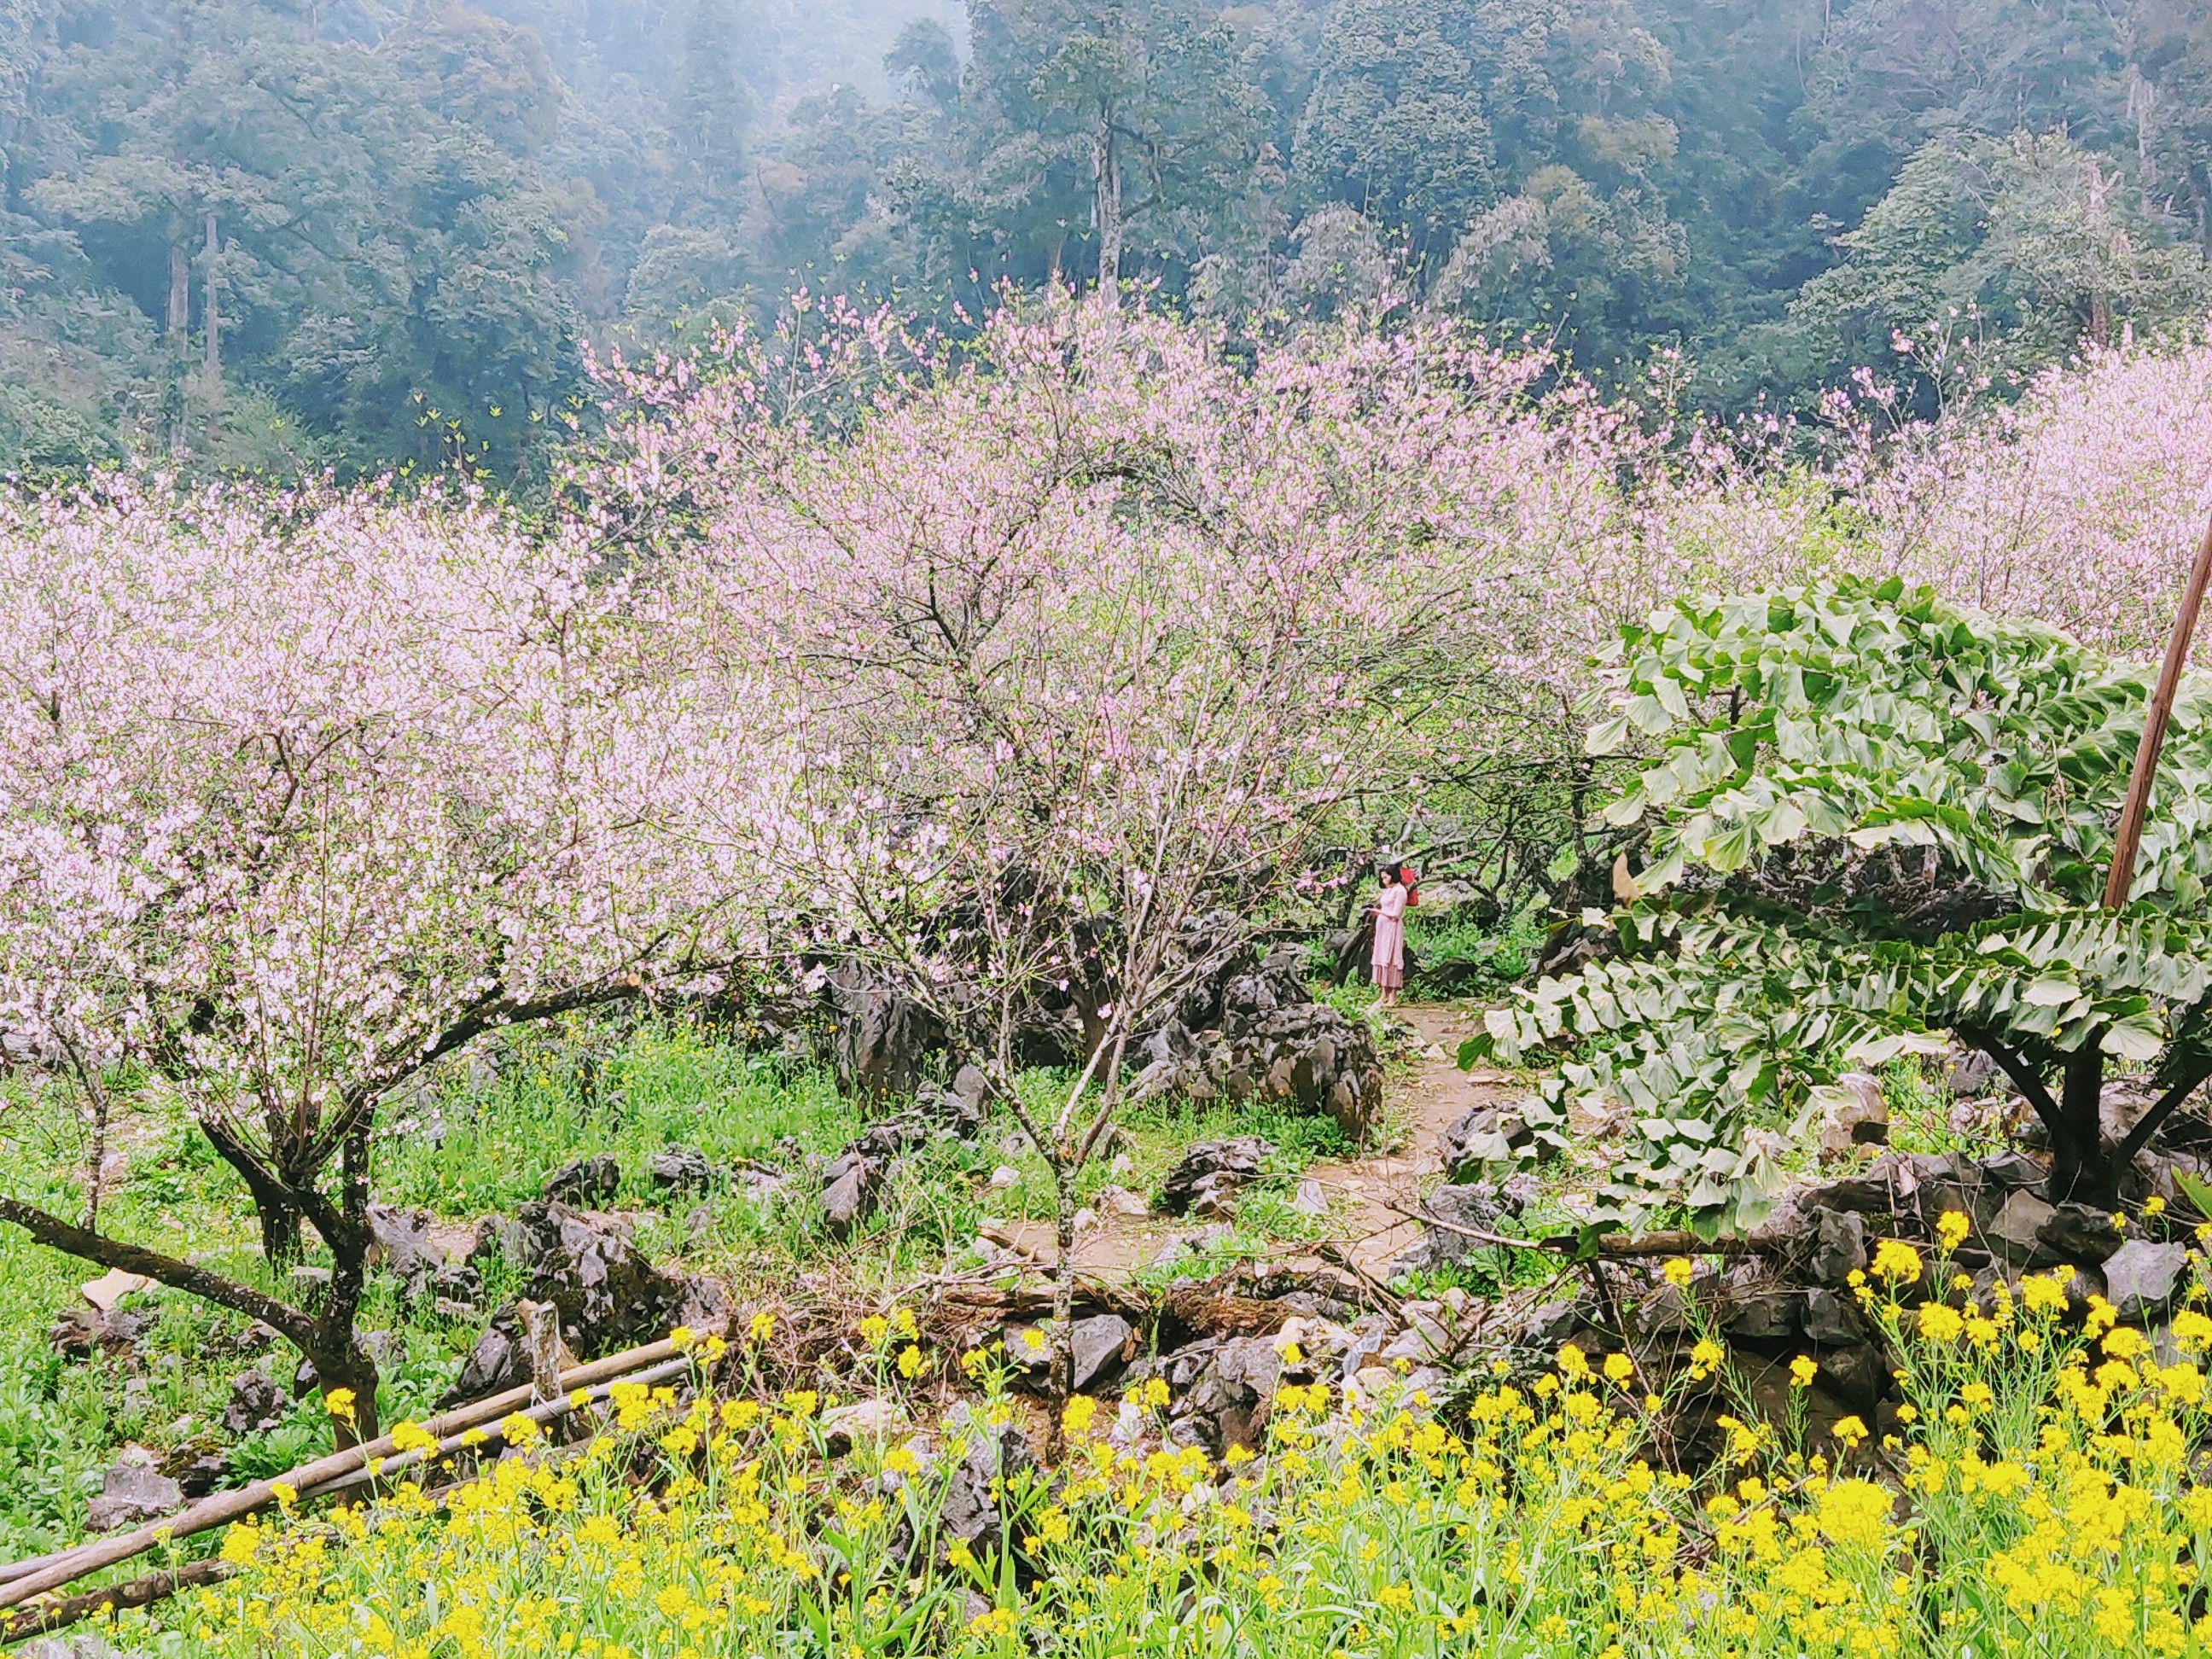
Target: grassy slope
502 1133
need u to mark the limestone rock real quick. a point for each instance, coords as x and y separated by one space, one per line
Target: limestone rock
1120 1201
257 1405
1102 1343
1225 1402
1210 1172
1833 1320
2141 1278
198 1466
1853 1114
584 1182
1257 1033
880 1038
608 1294
682 1171
1837 1241
2077 1235
958 1105
2016 1232
132 1490
80 1333
969 1513
1482 1206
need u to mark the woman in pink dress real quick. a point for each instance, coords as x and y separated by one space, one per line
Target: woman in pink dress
1389 958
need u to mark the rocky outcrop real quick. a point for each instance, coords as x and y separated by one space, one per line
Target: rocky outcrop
609 1294
852 1181
1206 1178
133 1490
1272 1041
879 1039
1483 1206
586 1182
256 1406
402 1246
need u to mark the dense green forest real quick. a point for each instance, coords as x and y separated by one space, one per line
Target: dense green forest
286 234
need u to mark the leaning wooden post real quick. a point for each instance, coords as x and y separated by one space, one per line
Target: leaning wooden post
2129 839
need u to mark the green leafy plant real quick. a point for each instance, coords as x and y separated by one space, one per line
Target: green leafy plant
1877 822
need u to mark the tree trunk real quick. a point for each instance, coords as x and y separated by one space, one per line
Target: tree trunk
346 1365
1064 1170
1106 168
181 278
273 1206
210 309
2083 1169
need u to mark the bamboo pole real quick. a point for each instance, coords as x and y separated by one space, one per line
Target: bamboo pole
222 1508
541 1414
2129 841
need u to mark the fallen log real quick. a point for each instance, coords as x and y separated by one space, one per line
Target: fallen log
222 1508
138 1593
1610 1247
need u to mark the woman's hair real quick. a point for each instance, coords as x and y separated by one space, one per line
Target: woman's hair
1386 875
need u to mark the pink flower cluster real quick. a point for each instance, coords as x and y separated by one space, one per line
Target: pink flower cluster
294 787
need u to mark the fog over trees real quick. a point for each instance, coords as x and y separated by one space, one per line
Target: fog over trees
284 235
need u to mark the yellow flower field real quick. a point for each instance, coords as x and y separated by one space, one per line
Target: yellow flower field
2036 1498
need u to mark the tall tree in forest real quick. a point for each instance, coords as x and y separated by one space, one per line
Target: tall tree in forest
1140 100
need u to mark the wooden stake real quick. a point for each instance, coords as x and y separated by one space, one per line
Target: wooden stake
2129 839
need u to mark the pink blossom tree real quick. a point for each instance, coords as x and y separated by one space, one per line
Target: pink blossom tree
298 794
2077 506
1093 632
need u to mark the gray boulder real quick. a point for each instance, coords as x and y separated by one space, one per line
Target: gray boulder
2141 1278
1257 1033
851 1180
403 1248
2016 1232
256 1404
959 1104
1486 1136
1103 1343
1833 1320
681 1172
2077 1235
970 1514
1482 1206
80 1333
1224 1402
610 1296
879 1039
1835 1244
132 1490
586 1182
1854 1115
1208 1175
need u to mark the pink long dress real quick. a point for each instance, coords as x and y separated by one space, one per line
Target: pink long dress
1388 960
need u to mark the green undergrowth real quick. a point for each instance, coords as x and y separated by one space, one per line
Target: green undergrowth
1455 955
480 1141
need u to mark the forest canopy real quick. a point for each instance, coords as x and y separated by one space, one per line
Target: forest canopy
275 237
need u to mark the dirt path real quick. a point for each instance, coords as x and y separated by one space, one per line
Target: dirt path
1361 1191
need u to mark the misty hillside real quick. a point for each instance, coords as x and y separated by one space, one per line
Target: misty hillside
267 235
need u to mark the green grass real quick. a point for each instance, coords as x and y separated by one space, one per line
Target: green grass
659 1083
1457 957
